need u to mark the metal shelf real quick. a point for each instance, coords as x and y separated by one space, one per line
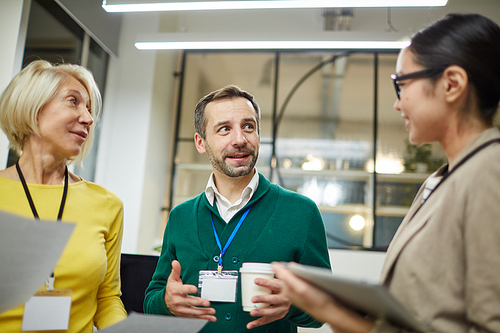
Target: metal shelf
344 174
365 209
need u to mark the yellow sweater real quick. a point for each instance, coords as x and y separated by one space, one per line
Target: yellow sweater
90 263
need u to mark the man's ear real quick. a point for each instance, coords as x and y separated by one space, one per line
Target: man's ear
199 142
456 81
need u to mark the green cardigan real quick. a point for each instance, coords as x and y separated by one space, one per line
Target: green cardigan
281 226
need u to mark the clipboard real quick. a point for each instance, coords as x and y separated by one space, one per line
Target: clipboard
369 298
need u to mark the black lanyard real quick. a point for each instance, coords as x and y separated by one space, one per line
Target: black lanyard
459 164
30 200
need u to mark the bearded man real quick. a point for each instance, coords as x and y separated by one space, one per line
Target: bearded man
240 217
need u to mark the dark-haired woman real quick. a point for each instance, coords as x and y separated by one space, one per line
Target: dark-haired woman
443 263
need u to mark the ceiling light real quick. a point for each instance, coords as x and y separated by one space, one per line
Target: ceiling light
273 45
120 6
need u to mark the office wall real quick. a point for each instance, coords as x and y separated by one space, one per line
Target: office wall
12 39
136 127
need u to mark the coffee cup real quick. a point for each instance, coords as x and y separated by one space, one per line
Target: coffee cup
249 272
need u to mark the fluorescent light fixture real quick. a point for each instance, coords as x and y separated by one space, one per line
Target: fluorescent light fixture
116 6
273 45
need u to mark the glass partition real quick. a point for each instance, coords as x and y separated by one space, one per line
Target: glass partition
329 131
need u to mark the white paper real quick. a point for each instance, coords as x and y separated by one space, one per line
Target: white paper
137 322
219 289
43 313
29 251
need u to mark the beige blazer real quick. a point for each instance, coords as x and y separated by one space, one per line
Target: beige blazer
443 264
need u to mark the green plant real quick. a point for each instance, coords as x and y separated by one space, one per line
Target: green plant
417 154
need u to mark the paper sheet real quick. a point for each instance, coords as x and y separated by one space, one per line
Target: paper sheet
137 322
29 251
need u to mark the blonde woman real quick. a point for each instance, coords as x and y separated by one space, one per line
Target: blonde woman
48 113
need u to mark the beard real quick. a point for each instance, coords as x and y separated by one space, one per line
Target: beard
242 169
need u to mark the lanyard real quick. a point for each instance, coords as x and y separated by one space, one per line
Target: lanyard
222 251
30 199
465 159
50 281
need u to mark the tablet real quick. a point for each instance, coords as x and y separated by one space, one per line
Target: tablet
369 298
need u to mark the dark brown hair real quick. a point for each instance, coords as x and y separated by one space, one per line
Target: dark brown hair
230 91
472 42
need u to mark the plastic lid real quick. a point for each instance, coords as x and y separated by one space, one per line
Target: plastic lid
256 267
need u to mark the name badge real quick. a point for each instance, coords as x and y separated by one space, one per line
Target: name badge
218 287
47 310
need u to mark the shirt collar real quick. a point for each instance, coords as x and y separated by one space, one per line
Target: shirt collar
211 190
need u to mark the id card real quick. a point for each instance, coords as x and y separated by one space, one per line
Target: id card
218 287
47 310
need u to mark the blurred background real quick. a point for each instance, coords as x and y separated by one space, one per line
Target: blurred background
329 130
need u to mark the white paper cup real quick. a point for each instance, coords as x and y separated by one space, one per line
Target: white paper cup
249 272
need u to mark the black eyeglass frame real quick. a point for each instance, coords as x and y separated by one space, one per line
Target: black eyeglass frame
426 73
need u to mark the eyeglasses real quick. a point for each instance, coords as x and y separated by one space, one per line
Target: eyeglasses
426 73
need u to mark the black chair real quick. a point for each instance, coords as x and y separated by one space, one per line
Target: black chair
136 272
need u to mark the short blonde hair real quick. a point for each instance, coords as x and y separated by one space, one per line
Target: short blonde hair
31 89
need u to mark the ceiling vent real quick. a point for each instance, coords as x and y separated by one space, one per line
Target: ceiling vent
338 19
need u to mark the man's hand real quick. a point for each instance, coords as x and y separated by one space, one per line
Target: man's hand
180 303
279 303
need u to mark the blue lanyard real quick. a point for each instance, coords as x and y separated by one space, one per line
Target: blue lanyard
222 251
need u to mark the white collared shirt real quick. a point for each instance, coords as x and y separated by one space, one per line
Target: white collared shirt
226 209
430 185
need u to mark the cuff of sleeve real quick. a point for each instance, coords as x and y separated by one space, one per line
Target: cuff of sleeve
157 304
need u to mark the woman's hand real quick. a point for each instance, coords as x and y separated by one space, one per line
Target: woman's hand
320 304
